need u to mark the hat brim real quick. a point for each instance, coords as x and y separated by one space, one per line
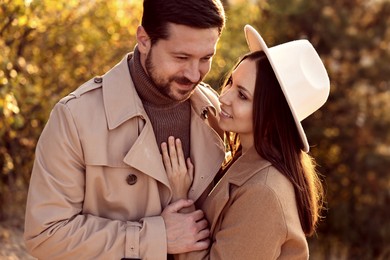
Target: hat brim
256 43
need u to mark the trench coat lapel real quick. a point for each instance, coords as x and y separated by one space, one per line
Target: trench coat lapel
144 155
249 164
207 148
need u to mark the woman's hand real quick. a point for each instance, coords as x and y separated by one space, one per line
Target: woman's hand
180 174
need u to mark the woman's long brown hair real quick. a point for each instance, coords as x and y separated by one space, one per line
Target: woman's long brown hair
277 140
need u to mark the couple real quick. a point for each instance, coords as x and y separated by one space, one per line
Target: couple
100 190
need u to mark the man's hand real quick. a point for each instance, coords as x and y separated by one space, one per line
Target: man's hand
185 231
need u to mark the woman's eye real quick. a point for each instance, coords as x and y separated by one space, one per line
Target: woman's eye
241 96
229 82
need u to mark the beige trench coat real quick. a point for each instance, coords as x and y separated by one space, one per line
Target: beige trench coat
253 215
98 183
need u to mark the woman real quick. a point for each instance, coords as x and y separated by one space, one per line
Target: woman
269 196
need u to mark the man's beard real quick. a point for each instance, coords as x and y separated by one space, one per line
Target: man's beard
164 86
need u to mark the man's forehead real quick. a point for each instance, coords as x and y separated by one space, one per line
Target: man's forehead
177 31
189 40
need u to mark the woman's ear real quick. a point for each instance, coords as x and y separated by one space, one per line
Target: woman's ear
143 40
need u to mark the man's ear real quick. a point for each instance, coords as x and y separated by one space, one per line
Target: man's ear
143 40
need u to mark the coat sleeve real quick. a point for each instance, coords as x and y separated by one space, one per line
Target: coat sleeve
253 227
55 226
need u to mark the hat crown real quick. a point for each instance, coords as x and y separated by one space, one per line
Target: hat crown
301 75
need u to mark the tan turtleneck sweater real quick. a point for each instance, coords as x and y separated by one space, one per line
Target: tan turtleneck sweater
168 117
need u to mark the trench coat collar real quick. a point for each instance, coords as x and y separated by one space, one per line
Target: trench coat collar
128 104
121 101
248 165
144 155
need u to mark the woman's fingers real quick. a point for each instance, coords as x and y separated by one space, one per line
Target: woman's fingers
179 171
180 155
166 158
190 168
176 154
172 153
174 161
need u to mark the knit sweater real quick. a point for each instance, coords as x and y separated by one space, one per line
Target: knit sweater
168 117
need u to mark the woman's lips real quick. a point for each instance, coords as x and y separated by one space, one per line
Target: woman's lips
225 114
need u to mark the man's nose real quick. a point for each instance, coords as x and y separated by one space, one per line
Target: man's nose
192 71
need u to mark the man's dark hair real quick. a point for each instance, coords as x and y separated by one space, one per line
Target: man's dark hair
202 14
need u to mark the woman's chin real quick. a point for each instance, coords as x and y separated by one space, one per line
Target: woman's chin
223 126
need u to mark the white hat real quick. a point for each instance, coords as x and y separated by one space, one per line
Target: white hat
301 75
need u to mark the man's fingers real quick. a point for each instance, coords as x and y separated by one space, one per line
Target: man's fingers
201 245
178 205
197 215
201 225
202 235
185 231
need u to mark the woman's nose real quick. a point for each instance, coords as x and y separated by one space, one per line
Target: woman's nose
224 97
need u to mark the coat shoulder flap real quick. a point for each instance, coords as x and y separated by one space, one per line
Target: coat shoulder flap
91 84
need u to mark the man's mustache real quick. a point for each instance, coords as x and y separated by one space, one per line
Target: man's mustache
185 81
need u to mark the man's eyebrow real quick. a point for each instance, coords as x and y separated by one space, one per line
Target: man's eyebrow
210 54
189 54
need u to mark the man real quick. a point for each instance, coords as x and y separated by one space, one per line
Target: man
98 188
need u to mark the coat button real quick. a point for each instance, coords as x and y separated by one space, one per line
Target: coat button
131 179
98 79
204 113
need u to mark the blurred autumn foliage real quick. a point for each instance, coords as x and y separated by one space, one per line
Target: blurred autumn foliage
48 48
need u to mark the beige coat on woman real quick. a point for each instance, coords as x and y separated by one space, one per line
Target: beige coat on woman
98 185
253 215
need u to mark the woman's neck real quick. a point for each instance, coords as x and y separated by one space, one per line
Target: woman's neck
246 142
